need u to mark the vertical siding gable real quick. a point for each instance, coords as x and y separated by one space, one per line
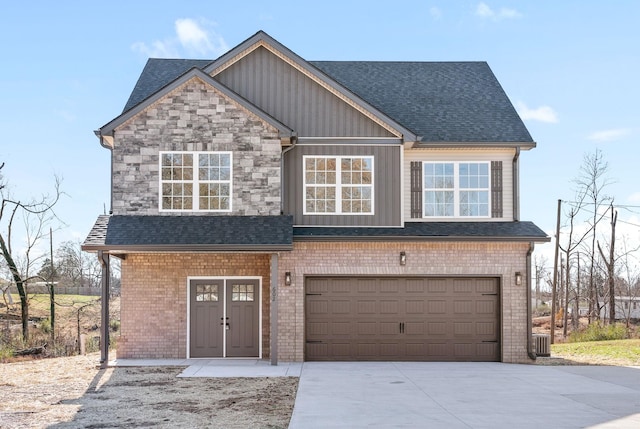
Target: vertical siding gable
196 117
295 99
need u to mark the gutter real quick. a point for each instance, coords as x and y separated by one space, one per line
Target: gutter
530 352
516 185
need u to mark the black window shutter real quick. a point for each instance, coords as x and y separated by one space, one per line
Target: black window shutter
416 189
496 188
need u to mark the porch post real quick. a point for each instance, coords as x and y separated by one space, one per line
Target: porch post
273 316
104 319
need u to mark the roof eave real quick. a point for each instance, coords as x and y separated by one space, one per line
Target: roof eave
445 144
378 238
188 248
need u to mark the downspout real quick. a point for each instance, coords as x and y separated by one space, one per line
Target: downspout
284 152
104 316
530 351
516 185
108 146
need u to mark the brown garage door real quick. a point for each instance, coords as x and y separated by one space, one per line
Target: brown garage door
402 319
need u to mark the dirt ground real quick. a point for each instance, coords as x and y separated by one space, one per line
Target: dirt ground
72 392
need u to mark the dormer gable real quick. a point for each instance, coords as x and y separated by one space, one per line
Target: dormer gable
306 99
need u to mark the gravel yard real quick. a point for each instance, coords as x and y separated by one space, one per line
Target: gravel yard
72 392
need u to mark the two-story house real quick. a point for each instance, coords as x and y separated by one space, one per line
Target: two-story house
268 206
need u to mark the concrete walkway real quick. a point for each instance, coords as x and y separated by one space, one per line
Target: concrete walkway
220 368
441 395
465 395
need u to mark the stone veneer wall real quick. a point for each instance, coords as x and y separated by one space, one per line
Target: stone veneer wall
382 259
154 299
196 117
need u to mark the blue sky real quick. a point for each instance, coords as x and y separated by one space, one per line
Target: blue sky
570 68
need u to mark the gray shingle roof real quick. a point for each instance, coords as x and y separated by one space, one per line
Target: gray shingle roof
176 233
441 101
157 73
500 231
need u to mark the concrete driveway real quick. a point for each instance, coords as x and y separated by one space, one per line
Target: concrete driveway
465 395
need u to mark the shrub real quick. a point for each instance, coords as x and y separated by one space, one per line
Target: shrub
114 325
599 332
45 326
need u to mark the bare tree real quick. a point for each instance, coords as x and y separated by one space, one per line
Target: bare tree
631 285
591 183
40 210
610 264
540 268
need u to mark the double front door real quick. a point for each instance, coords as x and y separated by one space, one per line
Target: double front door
224 318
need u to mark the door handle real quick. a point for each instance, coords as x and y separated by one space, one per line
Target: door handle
402 327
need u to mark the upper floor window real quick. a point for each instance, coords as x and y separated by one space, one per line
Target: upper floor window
338 184
195 181
456 189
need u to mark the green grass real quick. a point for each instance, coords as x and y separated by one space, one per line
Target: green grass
613 352
39 303
600 332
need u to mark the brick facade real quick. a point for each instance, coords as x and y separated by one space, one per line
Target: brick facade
499 260
154 288
154 299
196 117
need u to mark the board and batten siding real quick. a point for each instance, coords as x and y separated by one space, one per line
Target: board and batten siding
387 185
295 99
475 155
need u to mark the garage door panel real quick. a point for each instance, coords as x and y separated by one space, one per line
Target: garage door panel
463 286
389 328
318 306
486 329
437 306
415 286
366 306
414 328
317 328
414 306
338 328
436 286
436 328
389 306
486 306
486 286
461 307
419 319
389 286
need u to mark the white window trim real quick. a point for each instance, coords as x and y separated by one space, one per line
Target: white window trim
196 182
456 190
338 185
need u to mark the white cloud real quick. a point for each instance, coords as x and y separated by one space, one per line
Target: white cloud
435 12
192 38
634 198
609 135
542 113
485 12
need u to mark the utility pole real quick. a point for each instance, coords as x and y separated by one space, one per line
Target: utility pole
555 277
52 296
